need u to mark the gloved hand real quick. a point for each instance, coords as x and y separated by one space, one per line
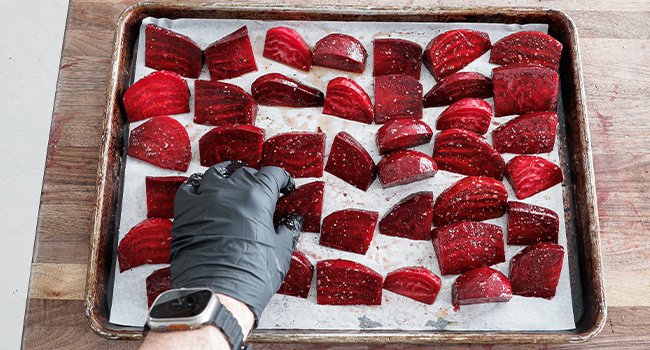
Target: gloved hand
224 238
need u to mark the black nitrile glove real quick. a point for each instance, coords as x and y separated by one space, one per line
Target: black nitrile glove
224 238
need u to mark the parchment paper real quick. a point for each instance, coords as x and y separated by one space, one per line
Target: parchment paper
129 305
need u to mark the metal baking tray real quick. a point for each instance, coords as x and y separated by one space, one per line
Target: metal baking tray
575 157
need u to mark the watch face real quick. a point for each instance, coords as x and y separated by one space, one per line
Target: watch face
181 303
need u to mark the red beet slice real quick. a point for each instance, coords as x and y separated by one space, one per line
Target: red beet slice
286 46
397 97
307 201
529 133
161 191
527 47
458 86
404 167
218 103
231 56
275 89
346 99
528 224
530 175
472 198
402 134
340 51
535 271
168 50
480 285
522 88
350 230
417 283
350 162
298 279
471 114
410 218
157 283
163 142
451 51
299 153
464 152
158 93
397 56
232 142
146 243
345 282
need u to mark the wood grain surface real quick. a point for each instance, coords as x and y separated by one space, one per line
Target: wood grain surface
615 46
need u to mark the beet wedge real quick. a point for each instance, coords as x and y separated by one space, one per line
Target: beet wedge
275 89
535 271
466 245
471 114
298 279
464 152
529 175
232 142
473 198
218 103
286 46
404 167
349 229
346 99
158 93
163 142
397 97
410 218
397 56
456 87
161 191
402 134
170 51
340 51
480 285
345 282
157 283
522 88
231 56
528 224
452 50
350 162
305 200
527 47
299 153
146 243
417 283
527 134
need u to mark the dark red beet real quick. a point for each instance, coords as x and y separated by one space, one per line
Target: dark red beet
230 56
275 89
402 134
163 142
535 271
405 166
464 152
350 230
480 285
528 224
168 50
472 198
161 191
299 153
298 279
452 50
527 47
522 88
340 51
346 99
146 243
529 175
217 103
529 133
159 93
397 97
232 142
471 114
397 56
344 282
350 162
157 283
286 46
417 283
458 86
410 218
306 200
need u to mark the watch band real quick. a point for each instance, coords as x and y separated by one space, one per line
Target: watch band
229 326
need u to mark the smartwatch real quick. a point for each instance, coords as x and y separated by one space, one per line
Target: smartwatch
192 308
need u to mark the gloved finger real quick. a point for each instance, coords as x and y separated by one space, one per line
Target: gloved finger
189 188
277 180
289 229
218 172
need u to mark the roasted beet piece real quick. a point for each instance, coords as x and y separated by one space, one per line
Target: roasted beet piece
163 142
521 88
167 50
307 201
286 46
340 51
146 243
345 282
527 47
405 166
161 191
417 283
528 224
298 279
299 153
464 152
397 97
452 50
402 134
346 99
529 175
472 198
480 285
275 89
158 93
471 114
458 86
397 56
529 133
350 162
410 218
350 230
230 56
232 142
217 103
158 282
535 271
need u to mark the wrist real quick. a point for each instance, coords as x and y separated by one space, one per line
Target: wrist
240 311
